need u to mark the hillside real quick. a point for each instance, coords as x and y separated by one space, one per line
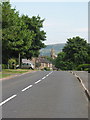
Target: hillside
57 47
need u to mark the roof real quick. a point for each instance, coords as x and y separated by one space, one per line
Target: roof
26 61
43 60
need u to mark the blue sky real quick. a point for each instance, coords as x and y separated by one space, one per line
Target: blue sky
62 19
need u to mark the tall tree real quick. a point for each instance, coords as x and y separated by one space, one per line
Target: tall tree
35 24
9 18
76 50
16 38
74 53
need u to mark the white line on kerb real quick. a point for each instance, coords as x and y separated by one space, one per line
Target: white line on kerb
37 81
7 100
27 88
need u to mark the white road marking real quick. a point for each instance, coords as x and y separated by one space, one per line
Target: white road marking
47 75
50 73
7 100
37 81
43 78
23 89
27 88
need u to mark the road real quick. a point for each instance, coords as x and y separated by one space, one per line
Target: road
44 94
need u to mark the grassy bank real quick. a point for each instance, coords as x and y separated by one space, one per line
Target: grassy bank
10 72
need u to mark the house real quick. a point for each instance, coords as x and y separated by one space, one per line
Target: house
42 62
38 63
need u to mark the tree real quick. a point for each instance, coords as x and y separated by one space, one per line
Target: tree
89 53
16 38
9 18
20 35
75 52
61 63
35 24
51 59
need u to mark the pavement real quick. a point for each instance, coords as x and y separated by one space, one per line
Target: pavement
44 94
84 75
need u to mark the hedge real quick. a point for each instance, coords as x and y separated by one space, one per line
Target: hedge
85 67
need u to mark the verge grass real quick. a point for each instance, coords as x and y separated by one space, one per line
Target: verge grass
14 70
9 72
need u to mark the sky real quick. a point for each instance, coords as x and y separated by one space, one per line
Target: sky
63 20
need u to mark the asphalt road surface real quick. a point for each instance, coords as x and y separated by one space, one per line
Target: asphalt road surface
44 94
84 75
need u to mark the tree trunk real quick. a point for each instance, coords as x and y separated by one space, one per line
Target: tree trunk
19 61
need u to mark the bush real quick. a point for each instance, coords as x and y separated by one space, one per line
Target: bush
4 66
47 69
12 63
85 67
89 70
38 65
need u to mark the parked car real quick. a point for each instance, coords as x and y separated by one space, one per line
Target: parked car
17 67
27 66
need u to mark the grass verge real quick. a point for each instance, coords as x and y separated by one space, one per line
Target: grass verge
9 72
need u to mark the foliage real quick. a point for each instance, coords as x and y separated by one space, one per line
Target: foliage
35 24
83 67
47 69
50 59
4 66
20 35
12 63
89 53
75 52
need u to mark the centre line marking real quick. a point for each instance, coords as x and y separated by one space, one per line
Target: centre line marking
43 78
50 73
47 75
37 81
7 100
27 88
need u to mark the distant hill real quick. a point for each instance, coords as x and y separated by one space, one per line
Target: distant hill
57 47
